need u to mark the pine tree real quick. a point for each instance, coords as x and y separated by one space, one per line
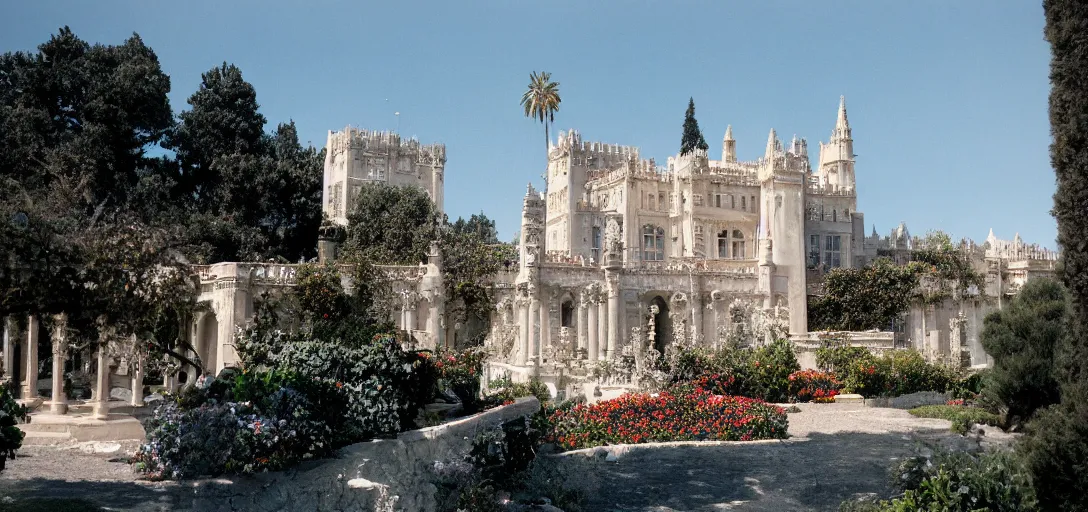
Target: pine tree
693 138
1056 449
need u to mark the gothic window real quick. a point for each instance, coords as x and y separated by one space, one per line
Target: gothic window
738 245
834 216
653 243
566 313
832 253
743 204
661 201
723 244
717 200
653 202
846 214
814 251
595 247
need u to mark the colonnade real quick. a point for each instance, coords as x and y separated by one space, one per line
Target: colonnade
29 360
597 323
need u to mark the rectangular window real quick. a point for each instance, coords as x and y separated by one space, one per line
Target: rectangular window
832 253
595 250
738 250
661 201
753 203
743 205
653 202
814 251
732 202
698 198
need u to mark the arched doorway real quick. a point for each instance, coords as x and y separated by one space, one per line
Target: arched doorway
662 324
207 344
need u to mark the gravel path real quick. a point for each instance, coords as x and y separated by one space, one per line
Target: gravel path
835 451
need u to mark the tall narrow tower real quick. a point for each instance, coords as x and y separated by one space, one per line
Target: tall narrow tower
837 156
729 146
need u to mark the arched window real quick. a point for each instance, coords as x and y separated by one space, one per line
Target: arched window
653 243
566 313
834 216
738 245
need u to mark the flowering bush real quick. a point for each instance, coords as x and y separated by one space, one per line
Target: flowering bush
667 416
813 386
461 372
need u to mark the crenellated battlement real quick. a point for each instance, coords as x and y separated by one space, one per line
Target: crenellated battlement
384 142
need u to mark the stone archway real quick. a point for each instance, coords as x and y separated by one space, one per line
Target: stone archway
659 310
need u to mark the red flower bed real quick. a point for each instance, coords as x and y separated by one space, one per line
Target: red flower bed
668 416
814 386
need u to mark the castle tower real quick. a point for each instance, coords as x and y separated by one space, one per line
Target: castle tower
354 157
729 146
782 190
837 156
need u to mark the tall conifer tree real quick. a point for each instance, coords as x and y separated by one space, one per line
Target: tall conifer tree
693 137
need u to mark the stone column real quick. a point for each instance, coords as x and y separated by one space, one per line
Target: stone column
613 321
602 330
546 324
11 332
59 404
411 303
138 379
534 337
101 409
30 390
583 310
523 333
697 318
593 330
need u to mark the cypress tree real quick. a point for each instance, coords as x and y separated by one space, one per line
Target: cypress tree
1056 449
693 138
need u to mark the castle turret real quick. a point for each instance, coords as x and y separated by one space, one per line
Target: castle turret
729 146
837 156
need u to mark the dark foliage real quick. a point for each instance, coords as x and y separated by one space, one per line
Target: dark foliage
693 137
1022 339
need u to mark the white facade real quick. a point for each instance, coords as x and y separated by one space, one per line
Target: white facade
355 156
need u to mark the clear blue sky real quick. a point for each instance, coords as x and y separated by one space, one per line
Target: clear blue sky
947 100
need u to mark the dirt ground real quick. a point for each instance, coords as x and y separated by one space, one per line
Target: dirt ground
836 451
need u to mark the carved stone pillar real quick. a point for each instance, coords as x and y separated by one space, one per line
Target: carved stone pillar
11 333
583 327
534 337
592 329
602 329
101 409
138 379
546 323
59 403
696 318
613 320
523 330
30 390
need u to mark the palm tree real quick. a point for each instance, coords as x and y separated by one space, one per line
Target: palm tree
541 101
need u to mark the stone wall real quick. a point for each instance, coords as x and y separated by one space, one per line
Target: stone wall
384 475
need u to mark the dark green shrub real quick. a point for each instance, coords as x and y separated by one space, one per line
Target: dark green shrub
11 413
1022 338
898 372
769 371
1054 450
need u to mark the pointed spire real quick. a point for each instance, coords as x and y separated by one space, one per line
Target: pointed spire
841 123
772 143
728 132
